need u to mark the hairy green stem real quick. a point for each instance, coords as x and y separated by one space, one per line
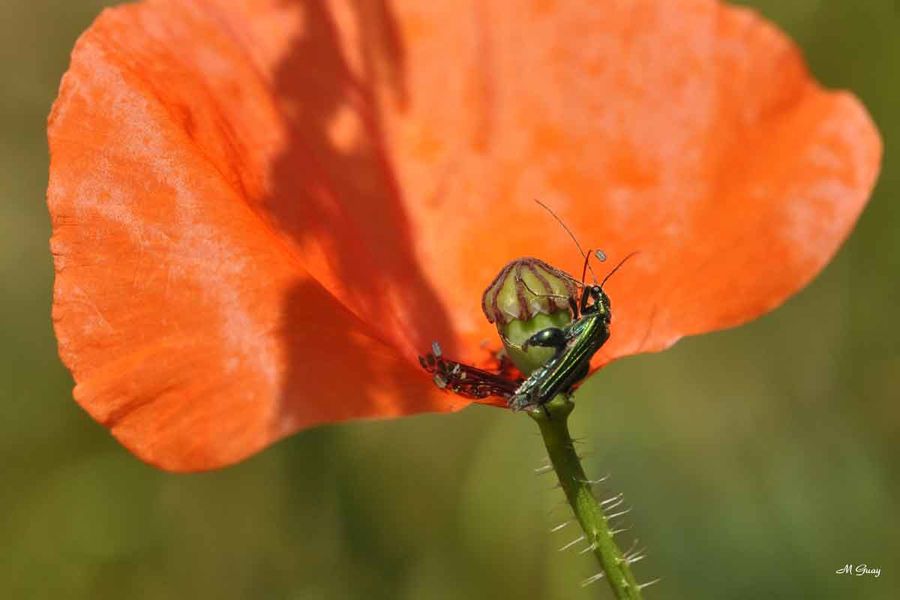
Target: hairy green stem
555 430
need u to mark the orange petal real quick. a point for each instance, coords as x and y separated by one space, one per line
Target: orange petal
686 130
192 327
263 210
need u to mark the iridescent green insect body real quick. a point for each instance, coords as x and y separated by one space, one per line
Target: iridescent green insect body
574 345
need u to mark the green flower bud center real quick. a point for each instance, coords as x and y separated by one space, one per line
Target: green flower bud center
517 331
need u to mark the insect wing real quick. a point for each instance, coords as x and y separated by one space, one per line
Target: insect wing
468 381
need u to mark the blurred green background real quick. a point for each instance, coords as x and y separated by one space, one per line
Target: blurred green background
758 461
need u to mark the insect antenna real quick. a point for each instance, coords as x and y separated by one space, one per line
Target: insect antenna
600 255
587 264
616 268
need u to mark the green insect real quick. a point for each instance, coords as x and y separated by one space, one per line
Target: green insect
574 344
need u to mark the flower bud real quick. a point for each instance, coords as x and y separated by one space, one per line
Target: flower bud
527 296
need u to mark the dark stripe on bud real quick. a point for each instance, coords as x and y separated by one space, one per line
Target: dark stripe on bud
524 288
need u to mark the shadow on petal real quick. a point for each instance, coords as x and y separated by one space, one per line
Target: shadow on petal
335 193
336 373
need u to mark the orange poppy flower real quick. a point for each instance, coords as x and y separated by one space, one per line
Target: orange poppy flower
264 210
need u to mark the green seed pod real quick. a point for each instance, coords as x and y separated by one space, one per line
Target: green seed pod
528 295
